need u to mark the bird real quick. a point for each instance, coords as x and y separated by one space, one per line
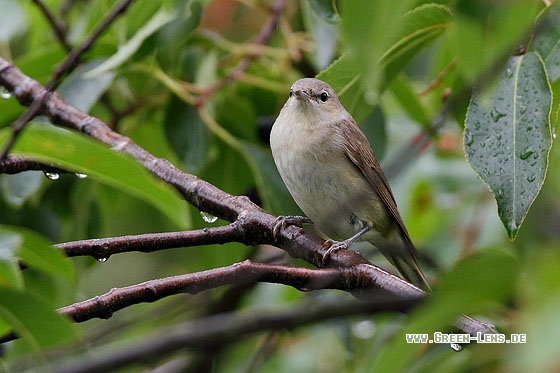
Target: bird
329 168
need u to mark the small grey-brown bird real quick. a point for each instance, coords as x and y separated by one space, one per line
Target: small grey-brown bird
330 170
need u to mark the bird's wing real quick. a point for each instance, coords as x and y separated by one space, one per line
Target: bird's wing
359 152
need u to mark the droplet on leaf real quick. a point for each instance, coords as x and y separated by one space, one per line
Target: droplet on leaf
52 175
209 218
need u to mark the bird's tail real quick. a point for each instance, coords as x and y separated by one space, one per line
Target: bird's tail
402 256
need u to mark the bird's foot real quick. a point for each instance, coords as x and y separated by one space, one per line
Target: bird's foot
334 246
283 221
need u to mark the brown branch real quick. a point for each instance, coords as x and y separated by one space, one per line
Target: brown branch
103 306
67 66
256 224
220 330
58 27
103 248
15 164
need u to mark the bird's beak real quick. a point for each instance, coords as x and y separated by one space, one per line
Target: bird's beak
301 94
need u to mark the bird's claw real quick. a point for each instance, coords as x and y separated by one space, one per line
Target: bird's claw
334 246
283 221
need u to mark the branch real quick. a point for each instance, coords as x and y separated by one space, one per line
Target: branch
15 164
58 28
103 248
69 64
256 224
220 330
103 306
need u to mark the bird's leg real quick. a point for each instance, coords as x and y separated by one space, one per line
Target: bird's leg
284 221
335 246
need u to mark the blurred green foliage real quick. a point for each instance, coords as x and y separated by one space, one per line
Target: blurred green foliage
396 65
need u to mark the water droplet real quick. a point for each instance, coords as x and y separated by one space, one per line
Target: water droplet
526 153
522 109
208 217
509 72
101 260
52 175
500 193
4 93
80 176
531 178
553 132
456 347
469 139
496 114
512 226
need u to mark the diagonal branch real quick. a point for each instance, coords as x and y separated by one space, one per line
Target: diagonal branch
256 223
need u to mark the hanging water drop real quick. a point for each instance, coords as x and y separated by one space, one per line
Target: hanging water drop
101 260
80 176
209 218
52 175
4 93
456 347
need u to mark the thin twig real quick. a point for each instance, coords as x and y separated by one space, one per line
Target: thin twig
58 28
264 35
69 64
103 248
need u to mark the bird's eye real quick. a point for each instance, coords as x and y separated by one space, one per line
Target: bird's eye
324 96
291 92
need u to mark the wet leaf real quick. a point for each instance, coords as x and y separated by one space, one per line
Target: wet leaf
508 141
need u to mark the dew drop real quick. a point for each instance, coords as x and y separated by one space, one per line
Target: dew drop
456 347
526 153
208 217
4 93
496 115
80 176
553 132
531 178
522 109
469 138
101 260
52 175
509 72
500 193
512 226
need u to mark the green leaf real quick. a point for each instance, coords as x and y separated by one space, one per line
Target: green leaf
410 102
484 32
82 91
324 31
10 274
547 40
369 29
160 19
12 20
414 31
187 134
19 188
507 142
36 251
78 153
324 9
34 319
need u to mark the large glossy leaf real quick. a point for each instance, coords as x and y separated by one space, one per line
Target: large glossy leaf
159 20
33 319
77 153
508 141
36 252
